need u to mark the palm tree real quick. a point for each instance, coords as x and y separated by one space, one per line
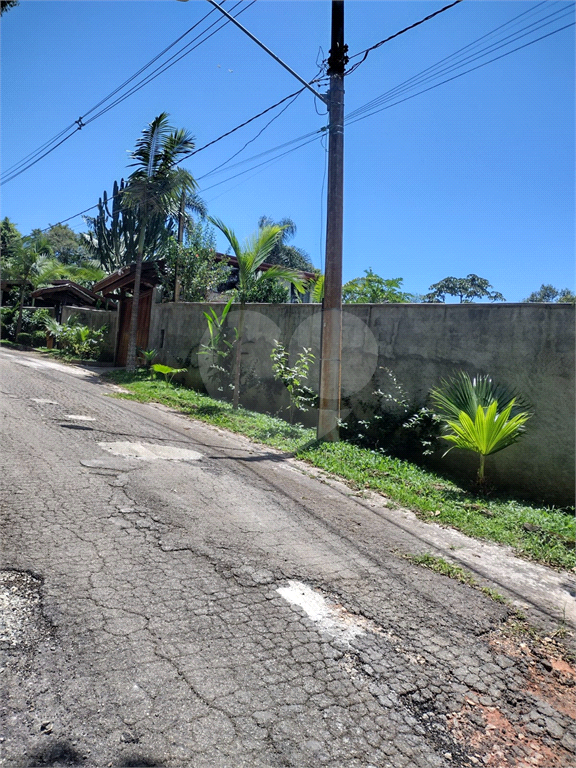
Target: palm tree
154 191
250 257
282 253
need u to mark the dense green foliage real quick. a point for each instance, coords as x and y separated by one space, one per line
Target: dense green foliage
250 257
194 264
10 240
374 289
33 325
154 191
76 339
65 244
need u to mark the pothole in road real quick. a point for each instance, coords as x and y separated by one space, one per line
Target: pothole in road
329 616
21 621
151 451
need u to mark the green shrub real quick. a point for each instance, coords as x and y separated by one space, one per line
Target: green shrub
39 338
32 320
6 320
25 339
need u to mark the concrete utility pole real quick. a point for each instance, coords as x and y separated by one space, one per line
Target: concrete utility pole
331 340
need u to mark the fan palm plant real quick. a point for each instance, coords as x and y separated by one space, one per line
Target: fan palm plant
154 190
250 257
488 433
462 393
480 415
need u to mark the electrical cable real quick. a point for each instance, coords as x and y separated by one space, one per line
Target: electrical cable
253 139
261 166
166 65
261 131
472 44
455 77
427 75
209 144
16 169
365 53
356 115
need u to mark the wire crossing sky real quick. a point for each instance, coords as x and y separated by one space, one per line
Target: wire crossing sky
459 133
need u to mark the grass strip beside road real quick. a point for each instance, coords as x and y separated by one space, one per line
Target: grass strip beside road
537 533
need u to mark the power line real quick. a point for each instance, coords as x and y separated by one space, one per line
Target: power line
34 157
166 65
214 141
359 114
365 53
471 45
455 77
429 73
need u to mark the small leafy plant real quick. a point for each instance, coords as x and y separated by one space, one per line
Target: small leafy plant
489 433
147 356
479 415
294 377
167 371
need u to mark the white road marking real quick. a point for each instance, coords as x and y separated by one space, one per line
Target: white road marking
331 618
43 401
151 452
77 417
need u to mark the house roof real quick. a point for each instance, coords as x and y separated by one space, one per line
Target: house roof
124 277
62 289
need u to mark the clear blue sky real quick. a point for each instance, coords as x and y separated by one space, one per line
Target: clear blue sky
476 175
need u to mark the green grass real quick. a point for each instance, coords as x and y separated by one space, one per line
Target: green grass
540 534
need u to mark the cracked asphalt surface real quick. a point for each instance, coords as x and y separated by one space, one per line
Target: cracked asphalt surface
141 622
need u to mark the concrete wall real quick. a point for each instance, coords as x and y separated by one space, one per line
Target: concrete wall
95 319
527 346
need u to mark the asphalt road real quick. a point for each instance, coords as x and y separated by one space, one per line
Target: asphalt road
171 595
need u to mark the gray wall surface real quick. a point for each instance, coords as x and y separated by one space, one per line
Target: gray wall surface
526 346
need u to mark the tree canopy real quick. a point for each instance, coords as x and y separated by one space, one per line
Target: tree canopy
65 244
10 239
548 293
194 265
153 193
465 288
5 5
373 289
